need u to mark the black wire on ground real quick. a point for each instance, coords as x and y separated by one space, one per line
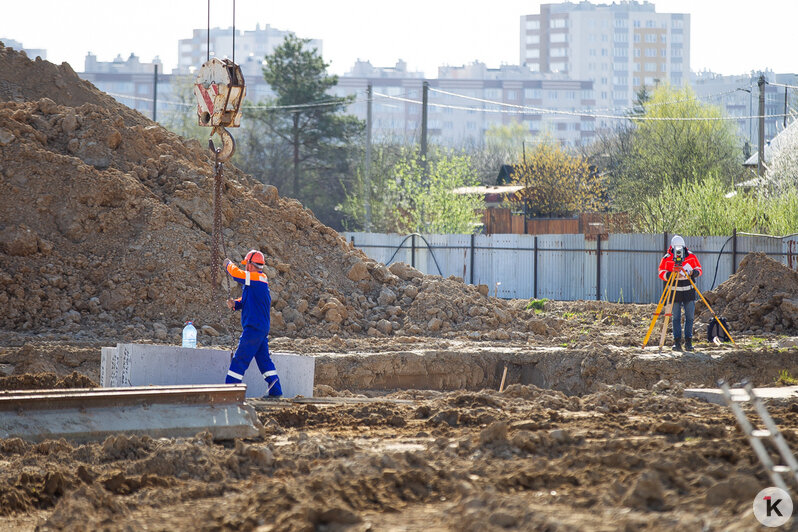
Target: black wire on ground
428 248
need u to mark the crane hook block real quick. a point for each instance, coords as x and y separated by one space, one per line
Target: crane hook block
220 90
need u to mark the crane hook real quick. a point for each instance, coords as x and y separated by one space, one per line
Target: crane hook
228 148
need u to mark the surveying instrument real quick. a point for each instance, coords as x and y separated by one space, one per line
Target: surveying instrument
669 295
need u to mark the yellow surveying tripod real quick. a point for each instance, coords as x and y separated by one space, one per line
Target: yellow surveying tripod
666 301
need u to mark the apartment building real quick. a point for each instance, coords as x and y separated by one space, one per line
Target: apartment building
251 47
461 104
621 47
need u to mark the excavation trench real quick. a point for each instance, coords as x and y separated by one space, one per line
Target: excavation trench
572 371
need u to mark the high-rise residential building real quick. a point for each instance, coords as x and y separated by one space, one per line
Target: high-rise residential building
466 102
251 47
621 47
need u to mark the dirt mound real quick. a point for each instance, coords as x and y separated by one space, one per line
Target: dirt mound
40 381
761 297
524 459
105 229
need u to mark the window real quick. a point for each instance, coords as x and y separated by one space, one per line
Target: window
532 94
621 23
676 79
553 95
651 67
533 53
557 23
532 24
604 37
603 81
492 94
676 52
636 81
557 37
620 80
603 52
570 95
637 37
619 95
676 38
588 125
663 38
558 52
662 67
511 95
558 67
620 67
678 23
637 52
649 24
532 125
448 125
603 95
621 37
663 52
637 67
533 39
651 52
649 80
533 67
676 67
471 125
591 37
636 23
651 38
587 94
592 52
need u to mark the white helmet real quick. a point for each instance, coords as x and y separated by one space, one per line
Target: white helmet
677 242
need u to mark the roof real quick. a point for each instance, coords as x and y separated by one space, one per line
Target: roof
489 189
775 144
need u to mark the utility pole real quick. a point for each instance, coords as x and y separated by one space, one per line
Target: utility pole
367 194
155 93
761 156
424 102
785 106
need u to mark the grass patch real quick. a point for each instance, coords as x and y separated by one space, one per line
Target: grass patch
785 379
536 304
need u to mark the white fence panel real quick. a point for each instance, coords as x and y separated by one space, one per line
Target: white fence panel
567 265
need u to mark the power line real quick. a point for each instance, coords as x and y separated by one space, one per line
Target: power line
781 85
540 110
325 103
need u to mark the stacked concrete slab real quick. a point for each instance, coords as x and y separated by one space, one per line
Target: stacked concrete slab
166 365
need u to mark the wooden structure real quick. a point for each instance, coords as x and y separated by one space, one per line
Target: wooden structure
502 221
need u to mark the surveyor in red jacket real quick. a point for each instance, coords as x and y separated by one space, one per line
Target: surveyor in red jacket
254 304
685 263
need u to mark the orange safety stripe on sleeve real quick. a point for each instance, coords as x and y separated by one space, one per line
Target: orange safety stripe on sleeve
238 273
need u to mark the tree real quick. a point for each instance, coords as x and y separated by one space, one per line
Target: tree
306 131
404 199
676 138
557 184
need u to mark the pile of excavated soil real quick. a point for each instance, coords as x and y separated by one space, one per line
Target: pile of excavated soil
524 459
106 221
761 297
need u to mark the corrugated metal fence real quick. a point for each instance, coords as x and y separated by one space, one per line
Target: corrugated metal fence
619 268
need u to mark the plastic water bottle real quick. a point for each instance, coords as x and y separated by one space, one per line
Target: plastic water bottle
189 335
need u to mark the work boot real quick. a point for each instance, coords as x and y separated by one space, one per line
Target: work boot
688 344
677 344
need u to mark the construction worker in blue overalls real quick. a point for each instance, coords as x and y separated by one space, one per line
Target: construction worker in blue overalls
254 304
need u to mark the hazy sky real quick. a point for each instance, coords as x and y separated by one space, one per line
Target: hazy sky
726 36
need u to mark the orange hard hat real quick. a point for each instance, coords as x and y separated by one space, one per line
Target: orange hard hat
255 257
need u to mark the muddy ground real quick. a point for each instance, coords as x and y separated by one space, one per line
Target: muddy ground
630 455
523 459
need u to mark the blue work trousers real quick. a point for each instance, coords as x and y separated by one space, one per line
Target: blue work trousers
689 315
254 343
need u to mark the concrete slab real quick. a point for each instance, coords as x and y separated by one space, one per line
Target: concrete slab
715 395
94 414
166 365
